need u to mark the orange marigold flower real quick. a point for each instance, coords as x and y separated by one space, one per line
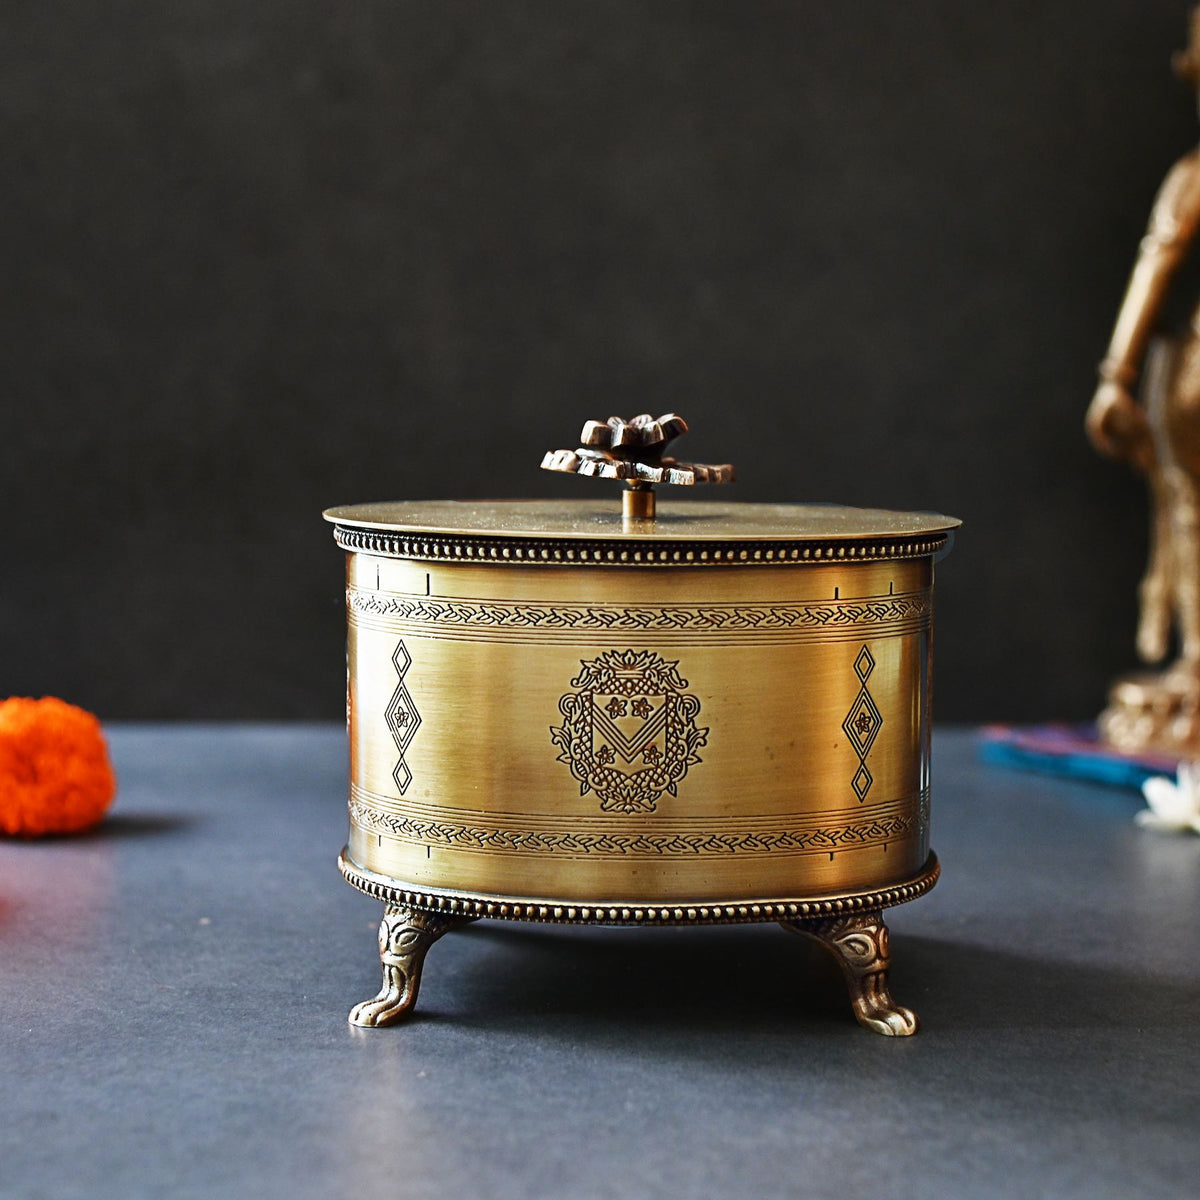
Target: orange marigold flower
55 776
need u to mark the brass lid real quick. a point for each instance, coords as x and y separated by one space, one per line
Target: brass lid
683 533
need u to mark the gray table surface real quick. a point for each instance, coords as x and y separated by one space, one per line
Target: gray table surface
174 988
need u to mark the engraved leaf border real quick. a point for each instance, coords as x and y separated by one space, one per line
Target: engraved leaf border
532 616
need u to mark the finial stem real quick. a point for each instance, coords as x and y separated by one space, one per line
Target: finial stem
637 502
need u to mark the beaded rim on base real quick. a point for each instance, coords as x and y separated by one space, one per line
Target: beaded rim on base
626 912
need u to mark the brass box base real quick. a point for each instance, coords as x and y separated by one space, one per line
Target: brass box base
851 926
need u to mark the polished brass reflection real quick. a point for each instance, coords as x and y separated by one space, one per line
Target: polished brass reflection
1160 437
710 735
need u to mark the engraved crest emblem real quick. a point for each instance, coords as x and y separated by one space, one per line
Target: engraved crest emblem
629 729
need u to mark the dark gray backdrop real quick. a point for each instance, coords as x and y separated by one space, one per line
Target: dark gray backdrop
261 257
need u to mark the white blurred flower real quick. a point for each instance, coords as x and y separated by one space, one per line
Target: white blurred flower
1174 807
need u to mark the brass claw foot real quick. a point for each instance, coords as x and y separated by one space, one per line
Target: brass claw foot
860 944
405 935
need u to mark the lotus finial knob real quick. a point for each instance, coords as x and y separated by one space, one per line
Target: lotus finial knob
633 451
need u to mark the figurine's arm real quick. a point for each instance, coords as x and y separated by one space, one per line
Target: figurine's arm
1115 421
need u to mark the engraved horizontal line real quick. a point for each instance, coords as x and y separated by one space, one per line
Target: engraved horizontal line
654 637
674 823
569 552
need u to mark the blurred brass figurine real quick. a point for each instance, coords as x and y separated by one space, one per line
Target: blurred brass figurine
1161 438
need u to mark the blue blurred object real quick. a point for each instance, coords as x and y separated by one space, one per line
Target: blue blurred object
1069 750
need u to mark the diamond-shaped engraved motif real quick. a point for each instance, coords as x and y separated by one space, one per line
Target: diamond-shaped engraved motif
864 664
861 783
862 723
402 717
401 658
402 775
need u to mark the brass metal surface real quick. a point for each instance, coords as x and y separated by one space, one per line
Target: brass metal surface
1160 437
778 801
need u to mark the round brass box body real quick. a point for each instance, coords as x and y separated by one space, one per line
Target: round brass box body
555 714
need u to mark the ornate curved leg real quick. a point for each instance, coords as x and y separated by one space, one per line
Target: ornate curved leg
860 944
405 935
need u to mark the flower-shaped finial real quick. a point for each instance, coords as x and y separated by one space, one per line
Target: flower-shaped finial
1174 807
633 451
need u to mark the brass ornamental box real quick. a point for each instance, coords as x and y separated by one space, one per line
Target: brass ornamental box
566 711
